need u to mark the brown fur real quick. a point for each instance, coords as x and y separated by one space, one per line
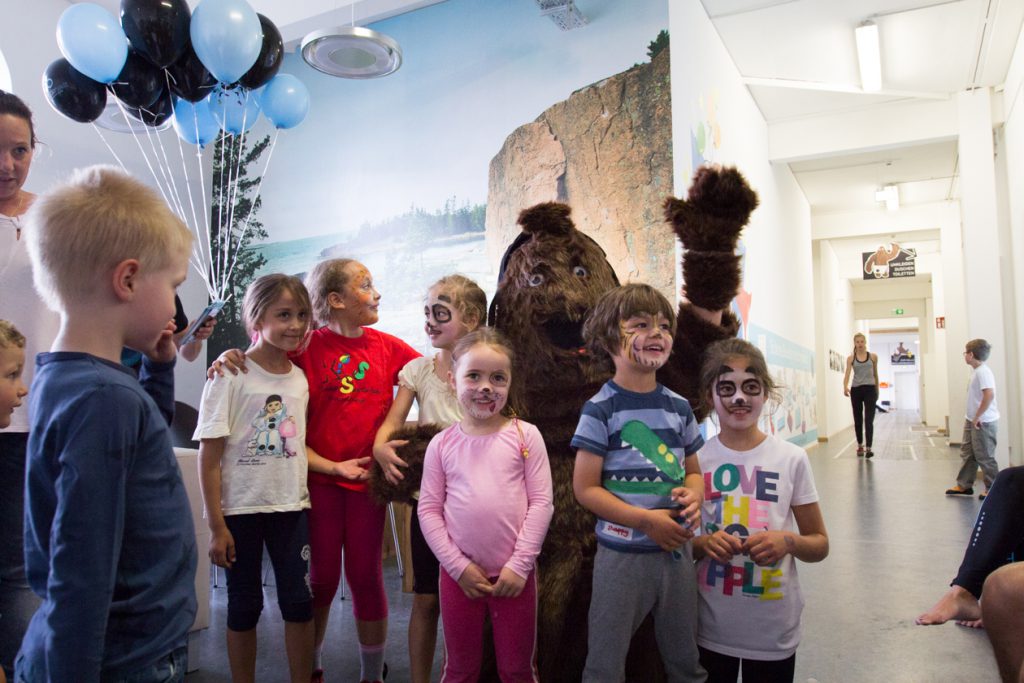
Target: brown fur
412 453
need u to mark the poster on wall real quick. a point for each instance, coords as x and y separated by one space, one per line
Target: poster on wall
791 366
901 355
889 261
424 172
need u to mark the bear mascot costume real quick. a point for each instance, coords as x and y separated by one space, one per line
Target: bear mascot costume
551 278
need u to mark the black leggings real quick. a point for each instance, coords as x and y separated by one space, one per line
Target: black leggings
726 669
998 535
863 399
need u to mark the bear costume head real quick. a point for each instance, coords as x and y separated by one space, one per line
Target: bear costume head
551 277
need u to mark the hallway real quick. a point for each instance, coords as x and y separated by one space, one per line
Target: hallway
896 541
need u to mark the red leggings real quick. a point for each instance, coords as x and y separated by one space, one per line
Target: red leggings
344 519
515 633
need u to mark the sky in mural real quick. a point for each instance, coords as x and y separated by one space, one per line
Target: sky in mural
472 72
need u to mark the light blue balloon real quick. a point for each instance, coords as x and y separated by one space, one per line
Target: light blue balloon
285 101
195 123
93 41
227 37
234 109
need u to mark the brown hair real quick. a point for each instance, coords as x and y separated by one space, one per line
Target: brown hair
261 294
862 336
979 348
466 297
488 336
601 329
14 106
10 337
326 277
716 356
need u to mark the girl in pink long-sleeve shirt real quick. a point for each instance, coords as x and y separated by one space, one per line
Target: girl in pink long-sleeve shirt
485 504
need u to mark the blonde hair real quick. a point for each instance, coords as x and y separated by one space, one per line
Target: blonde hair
326 277
601 330
860 335
979 348
716 356
101 216
486 336
262 292
9 336
466 296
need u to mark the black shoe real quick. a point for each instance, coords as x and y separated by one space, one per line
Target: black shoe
960 491
868 453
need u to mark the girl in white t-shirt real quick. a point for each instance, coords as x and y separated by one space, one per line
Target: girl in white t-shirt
760 512
253 466
454 307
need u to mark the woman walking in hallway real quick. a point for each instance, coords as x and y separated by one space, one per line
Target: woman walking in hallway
863 365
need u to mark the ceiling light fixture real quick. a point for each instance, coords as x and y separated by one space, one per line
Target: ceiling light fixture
564 13
890 194
869 56
351 52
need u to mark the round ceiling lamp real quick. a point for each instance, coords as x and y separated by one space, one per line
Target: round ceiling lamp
351 52
113 118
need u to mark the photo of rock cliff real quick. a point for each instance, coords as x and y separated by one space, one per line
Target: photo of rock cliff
606 151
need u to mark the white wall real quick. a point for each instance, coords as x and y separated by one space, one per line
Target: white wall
778 269
29 43
834 306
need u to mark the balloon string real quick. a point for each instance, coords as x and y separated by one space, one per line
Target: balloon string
170 199
198 260
200 241
206 212
252 206
131 128
237 189
180 205
226 233
220 209
120 163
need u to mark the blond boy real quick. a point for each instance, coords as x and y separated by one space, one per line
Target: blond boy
109 542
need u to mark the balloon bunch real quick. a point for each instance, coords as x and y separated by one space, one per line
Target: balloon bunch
210 72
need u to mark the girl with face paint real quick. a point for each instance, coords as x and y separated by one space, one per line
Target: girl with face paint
760 514
485 505
454 307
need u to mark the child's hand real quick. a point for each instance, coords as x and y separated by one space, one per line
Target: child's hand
231 360
662 528
722 546
509 584
690 503
165 350
355 470
768 547
474 583
389 461
222 548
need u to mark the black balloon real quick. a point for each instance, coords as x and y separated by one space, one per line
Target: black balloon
140 83
72 93
158 29
271 55
154 114
188 77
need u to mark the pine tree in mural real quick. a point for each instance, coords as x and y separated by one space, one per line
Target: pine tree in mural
230 236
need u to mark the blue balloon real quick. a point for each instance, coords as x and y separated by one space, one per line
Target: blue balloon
285 101
195 123
93 41
234 109
227 37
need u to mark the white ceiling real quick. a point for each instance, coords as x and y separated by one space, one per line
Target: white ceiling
799 60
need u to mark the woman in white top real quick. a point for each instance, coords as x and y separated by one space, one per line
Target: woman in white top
863 365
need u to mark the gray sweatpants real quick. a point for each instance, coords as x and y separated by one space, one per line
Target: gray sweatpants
978 449
628 587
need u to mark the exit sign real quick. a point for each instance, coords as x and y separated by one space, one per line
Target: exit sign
897 311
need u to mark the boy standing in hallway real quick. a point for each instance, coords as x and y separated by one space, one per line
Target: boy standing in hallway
978 448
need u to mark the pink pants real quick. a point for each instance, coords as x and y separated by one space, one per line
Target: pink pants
344 519
515 632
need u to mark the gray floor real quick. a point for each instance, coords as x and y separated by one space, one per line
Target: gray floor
896 541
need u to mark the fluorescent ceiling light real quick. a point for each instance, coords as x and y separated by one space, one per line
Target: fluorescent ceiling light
890 194
868 56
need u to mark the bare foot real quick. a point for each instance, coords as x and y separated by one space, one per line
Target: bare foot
956 603
970 623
